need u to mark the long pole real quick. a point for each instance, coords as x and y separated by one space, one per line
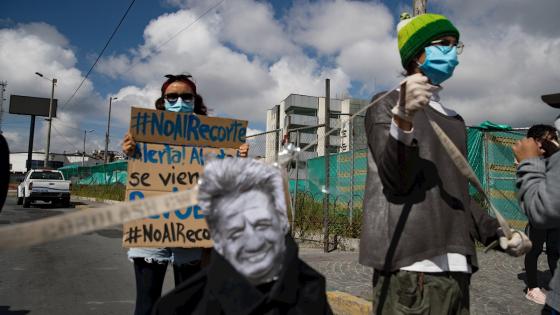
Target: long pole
106 156
419 6
326 157
47 151
2 90
84 152
351 131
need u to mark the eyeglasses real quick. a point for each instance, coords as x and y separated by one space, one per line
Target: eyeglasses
173 97
446 45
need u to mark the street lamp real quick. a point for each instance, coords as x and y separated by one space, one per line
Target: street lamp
53 81
84 153
108 130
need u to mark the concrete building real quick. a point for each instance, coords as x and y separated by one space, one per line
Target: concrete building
302 115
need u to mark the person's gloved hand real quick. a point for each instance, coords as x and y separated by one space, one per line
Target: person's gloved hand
415 94
518 245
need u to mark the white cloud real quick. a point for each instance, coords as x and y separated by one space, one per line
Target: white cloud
538 18
375 63
358 36
251 27
232 83
15 140
244 61
248 25
330 26
507 63
39 47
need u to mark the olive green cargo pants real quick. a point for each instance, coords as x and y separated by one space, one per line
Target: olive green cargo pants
411 293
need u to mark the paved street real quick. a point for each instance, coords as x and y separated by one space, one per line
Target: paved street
90 274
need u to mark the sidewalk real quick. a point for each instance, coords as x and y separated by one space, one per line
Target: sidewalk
497 288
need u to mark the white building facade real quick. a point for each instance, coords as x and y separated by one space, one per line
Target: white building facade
18 160
301 115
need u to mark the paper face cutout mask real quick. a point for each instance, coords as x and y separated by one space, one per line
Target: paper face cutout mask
244 204
249 235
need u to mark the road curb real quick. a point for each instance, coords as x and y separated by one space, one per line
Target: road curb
108 201
346 304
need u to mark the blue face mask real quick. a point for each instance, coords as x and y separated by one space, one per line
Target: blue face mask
440 63
179 106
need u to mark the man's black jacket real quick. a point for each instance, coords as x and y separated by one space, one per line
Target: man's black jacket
220 289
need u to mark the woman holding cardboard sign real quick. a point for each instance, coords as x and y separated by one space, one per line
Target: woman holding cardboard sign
178 94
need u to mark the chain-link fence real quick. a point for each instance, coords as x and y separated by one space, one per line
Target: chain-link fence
492 159
327 198
329 208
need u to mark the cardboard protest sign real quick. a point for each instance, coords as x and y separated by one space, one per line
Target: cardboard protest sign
184 227
158 126
157 168
163 167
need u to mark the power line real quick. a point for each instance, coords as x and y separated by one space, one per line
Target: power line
157 48
100 54
65 139
68 125
192 23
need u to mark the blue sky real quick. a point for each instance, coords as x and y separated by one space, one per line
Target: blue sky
248 55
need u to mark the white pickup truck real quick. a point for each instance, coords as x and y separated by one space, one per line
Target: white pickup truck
44 185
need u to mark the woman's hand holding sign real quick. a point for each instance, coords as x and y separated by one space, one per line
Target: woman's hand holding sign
128 144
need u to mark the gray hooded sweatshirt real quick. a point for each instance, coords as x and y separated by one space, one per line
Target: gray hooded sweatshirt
538 181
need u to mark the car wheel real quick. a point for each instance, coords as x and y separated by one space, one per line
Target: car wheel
26 202
19 200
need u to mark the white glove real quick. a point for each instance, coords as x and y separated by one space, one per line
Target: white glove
518 245
415 94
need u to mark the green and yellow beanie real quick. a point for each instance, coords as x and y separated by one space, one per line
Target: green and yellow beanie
416 32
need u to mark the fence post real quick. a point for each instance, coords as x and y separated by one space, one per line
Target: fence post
351 131
294 203
326 192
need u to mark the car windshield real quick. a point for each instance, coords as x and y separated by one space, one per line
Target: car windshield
46 175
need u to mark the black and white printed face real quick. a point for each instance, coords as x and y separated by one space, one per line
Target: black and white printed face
250 236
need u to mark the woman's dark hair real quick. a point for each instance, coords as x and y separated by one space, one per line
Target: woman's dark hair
410 68
539 132
199 107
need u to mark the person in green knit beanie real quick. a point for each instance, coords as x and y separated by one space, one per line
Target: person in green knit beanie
419 224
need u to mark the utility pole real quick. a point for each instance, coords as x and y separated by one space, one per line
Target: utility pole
47 150
420 7
84 153
326 190
108 131
3 85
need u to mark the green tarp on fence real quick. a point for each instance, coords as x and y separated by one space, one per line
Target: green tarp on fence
104 174
489 154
